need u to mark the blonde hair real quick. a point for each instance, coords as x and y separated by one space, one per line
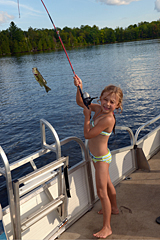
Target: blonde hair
118 91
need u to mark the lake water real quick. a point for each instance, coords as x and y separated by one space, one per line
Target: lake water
134 66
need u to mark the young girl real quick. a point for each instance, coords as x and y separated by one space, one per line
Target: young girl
98 131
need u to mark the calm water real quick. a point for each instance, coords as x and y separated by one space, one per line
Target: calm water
134 66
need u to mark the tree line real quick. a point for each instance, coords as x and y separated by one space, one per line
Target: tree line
14 40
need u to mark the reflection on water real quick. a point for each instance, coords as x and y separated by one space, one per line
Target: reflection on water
134 66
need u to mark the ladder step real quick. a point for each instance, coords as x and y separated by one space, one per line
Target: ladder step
41 171
35 217
36 182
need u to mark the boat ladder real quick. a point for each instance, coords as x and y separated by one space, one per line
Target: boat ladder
38 180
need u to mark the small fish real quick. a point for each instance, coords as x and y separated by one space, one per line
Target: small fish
40 79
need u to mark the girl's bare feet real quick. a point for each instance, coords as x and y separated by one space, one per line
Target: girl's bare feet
114 211
105 232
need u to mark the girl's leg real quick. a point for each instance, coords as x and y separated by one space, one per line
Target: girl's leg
101 174
112 196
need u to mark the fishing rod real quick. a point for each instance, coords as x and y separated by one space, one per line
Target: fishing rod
85 97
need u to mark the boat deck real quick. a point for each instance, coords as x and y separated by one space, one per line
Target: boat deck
138 199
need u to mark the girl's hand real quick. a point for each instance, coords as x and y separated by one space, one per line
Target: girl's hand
77 81
87 113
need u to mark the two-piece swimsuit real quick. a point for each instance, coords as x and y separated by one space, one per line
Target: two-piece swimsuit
105 158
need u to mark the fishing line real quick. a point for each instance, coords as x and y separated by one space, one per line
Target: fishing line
86 99
18 8
59 38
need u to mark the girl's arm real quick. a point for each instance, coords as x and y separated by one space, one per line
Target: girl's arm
87 127
78 83
91 132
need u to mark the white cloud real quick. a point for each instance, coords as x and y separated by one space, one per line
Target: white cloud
157 5
4 17
117 2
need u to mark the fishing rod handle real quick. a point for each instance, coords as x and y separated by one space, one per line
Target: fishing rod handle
83 97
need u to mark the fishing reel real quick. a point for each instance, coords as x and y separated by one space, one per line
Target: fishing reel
86 98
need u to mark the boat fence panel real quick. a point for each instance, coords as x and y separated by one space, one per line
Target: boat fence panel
144 126
150 143
79 192
122 164
123 159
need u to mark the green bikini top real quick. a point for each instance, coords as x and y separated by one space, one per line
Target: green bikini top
103 132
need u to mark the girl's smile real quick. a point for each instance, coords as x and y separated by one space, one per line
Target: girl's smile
109 102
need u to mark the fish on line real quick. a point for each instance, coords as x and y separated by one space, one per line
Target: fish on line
40 79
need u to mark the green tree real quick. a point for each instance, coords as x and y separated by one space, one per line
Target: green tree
5 48
39 46
15 32
14 40
102 36
4 43
119 34
109 35
15 47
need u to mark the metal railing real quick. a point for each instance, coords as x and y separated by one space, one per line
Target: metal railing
7 174
144 126
132 138
54 148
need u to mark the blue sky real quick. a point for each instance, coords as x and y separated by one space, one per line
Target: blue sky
74 13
